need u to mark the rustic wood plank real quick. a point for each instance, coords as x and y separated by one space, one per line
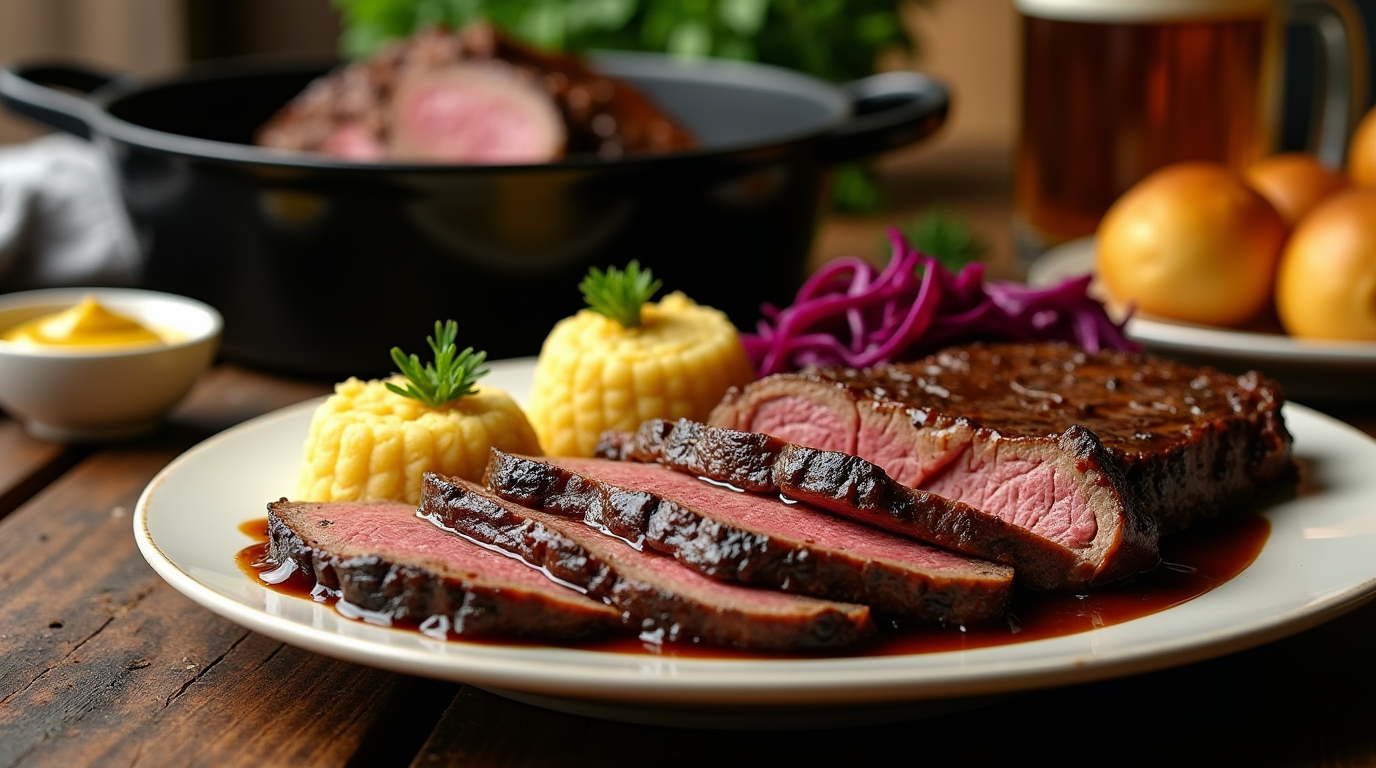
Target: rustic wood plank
29 464
1303 701
102 663
65 569
168 683
225 396
228 395
74 540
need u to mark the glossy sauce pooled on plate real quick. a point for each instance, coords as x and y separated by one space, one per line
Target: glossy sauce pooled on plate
1194 563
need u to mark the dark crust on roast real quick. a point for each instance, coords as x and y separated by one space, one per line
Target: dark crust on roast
1185 442
580 555
853 487
719 548
475 605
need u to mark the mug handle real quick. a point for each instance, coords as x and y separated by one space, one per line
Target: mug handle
890 110
53 94
1343 57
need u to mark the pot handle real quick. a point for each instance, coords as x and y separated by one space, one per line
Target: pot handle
52 94
892 109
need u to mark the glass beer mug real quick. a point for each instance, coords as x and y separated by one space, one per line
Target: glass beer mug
1114 89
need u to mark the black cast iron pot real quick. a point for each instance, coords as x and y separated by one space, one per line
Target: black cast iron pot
321 266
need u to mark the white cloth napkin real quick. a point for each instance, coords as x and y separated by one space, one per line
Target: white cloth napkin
61 222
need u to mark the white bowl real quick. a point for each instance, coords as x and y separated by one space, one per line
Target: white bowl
103 393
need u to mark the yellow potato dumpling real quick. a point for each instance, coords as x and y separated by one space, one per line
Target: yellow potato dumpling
1191 242
367 442
594 374
1294 182
1361 152
1326 287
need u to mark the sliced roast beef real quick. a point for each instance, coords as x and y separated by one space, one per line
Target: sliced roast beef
764 541
473 113
1042 434
659 592
382 558
1043 558
471 95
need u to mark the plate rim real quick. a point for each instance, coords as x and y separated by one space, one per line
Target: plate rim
1076 258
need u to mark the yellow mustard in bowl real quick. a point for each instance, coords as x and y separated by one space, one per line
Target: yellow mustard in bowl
88 324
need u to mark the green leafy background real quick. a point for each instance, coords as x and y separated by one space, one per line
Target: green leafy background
832 39
836 40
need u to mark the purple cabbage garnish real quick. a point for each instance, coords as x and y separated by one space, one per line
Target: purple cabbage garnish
849 314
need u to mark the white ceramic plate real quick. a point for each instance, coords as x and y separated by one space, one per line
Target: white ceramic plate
1316 565
1310 370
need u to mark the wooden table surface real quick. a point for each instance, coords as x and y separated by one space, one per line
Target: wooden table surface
104 664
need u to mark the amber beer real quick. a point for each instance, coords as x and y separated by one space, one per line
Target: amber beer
1113 89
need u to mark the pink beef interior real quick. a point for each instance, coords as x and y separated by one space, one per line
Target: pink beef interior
469 114
394 532
1025 491
769 515
805 423
886 439
1022 489
352 141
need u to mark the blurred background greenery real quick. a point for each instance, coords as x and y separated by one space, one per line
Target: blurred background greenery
836 40
831 39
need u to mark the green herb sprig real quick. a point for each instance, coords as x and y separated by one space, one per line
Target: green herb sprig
945 237
619 294
452 375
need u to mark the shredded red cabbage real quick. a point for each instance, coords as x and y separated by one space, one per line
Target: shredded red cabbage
846 314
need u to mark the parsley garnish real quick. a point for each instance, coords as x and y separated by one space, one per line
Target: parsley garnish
619 294
946 238
452 375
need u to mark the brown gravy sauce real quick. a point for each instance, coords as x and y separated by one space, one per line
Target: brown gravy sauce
1194 563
